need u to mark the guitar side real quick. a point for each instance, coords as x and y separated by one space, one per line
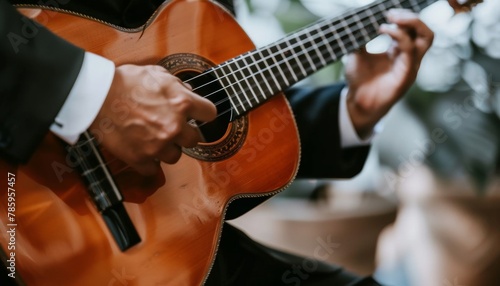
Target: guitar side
61 238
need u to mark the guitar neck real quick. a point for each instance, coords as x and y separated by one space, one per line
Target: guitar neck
252 78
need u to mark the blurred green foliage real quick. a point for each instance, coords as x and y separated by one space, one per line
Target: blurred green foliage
473 132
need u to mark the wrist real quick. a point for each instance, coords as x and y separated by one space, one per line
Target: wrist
85 98
364 115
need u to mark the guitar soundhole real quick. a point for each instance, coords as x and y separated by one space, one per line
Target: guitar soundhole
208 87
224 136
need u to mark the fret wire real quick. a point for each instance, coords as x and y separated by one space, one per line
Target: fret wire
310 68
358 34
317 50
280 61
240 86
225 63
258 50
362 29
271 66
265 70
273 55
338 39
371 17
396 3
245 78
224 87
316 45
291 71
349 33
346 16
261 74
295 56
258 84
336 34
415 6
308 57
276 82
233 85
333 56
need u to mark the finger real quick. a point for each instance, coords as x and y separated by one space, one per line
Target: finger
423 35
202 109
401 17
400 36
361 52
187 85
364 55
188 137
424 40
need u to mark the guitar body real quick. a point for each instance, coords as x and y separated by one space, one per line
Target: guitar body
60 237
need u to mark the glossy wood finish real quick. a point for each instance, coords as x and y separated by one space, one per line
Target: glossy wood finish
62 240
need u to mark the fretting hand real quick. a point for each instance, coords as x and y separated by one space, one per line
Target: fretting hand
378 81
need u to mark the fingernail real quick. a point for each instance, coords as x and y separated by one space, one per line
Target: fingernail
386 27
393 15
188 86
397 14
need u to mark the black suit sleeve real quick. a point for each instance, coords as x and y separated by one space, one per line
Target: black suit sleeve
37 71
316 112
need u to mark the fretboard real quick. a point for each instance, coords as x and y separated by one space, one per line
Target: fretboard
252 78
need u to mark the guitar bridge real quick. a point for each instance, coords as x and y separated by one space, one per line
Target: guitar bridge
103 191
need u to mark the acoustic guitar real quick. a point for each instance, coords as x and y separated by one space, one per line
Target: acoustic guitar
74 215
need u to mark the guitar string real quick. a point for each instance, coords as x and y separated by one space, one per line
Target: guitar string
357 34
269 68
316 36
307 30
115 159
319 23
322 21
314 27
320 54
415 6
345 32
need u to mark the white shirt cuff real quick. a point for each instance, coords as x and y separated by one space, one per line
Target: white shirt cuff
348 135
85 98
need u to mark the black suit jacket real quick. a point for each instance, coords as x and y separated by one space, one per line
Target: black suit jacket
37 71
36 78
